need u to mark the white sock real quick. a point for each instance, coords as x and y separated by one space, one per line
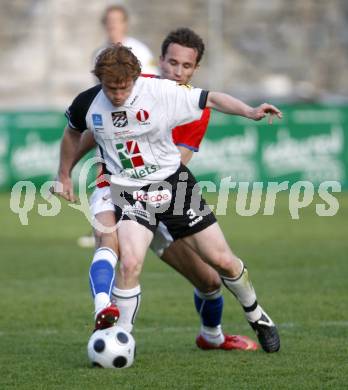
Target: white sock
101 301
243 290
128 302
213 335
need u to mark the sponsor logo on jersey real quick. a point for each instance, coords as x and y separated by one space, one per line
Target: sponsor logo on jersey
119 118
143 116
123 133
154 198
129 154
134 100
195 221
132 160
136 210
97 120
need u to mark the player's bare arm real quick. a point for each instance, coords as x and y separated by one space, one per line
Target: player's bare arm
186 154
87 143
69 145
230 105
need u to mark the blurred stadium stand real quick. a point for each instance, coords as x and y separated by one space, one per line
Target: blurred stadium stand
289 50
279 50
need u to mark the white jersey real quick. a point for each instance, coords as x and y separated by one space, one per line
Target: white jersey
135 139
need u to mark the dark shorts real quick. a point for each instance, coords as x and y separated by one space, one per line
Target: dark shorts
176 202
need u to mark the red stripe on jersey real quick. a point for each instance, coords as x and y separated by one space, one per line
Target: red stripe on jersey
101 181
148 75
192 133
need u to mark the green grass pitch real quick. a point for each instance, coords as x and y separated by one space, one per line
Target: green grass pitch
299 269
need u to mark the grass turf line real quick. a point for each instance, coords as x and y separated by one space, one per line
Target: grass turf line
299 269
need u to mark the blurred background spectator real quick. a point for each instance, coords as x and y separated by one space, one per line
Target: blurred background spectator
115 21
285 50
291 52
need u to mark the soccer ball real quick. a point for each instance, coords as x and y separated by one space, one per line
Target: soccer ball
111 348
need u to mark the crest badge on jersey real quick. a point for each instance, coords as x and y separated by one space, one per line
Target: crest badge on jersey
143 116
119 118
97 120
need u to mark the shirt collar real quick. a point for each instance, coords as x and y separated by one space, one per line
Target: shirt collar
133 96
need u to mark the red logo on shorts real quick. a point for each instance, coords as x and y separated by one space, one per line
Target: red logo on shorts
142 116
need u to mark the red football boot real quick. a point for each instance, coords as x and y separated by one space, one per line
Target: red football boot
231 342
107 317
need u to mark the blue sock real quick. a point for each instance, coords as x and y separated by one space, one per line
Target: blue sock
102 271
209 307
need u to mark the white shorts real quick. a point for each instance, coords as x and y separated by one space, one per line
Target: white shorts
100 201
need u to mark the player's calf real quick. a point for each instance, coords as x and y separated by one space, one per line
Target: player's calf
209 306
104 233
262 324
102 277
128 302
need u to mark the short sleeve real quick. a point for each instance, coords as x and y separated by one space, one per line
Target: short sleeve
183 103
190 135
77 111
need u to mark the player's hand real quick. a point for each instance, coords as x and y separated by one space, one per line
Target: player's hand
263 110
64 188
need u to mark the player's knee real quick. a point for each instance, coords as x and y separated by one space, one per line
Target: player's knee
130 268
226 264
108 240
215 283
210 285
98 238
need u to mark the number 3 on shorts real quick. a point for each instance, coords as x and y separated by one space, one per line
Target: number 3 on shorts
191 213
